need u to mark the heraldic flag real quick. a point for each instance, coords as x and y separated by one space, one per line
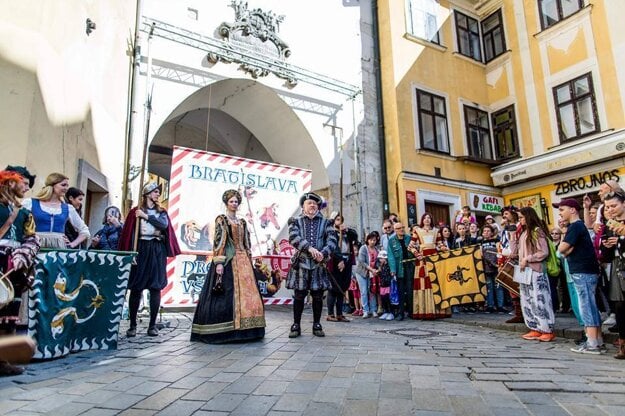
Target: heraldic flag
457 276
77 300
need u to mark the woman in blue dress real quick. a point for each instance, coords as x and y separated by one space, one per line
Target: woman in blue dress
51 213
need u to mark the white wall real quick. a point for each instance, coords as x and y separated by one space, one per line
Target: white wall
63 94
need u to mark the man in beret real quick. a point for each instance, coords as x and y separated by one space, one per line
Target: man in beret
315 240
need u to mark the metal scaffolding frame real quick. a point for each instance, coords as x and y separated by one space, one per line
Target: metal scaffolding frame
244 56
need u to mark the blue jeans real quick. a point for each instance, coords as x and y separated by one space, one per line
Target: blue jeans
494 290
574 302
585 286
368 300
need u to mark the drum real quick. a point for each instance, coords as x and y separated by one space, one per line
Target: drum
7 293
504 278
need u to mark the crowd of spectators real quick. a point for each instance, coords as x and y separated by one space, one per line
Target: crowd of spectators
588 244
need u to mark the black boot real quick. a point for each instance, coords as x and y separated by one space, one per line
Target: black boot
296 331
317 330
7 369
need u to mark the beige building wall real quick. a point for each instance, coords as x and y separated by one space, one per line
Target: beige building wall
64 93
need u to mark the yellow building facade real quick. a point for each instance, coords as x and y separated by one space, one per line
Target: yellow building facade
496 102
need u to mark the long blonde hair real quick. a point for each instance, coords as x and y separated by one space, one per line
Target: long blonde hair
46 192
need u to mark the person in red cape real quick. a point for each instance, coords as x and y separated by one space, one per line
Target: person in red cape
157 241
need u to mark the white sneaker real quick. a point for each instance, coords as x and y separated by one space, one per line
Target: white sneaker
383 316
390 317
365 315
374 314
610 320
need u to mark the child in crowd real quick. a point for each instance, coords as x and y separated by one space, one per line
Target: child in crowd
474 234
354 292
384 273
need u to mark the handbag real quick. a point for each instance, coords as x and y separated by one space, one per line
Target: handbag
504 278
374 286
523 276
7 292
394 293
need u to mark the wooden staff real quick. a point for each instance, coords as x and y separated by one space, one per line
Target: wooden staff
341 192
148 107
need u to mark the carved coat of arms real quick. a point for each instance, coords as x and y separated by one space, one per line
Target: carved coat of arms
254 34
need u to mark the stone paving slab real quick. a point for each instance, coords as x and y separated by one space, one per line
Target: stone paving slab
366 367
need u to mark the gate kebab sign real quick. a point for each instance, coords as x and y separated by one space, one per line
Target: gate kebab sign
486 203
198 179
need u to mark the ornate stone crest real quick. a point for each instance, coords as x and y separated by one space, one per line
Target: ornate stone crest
254 34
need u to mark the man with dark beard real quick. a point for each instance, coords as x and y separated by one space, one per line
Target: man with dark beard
18 247
315 240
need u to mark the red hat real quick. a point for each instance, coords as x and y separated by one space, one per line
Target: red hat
568 202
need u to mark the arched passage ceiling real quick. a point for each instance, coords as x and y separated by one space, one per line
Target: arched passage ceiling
261 111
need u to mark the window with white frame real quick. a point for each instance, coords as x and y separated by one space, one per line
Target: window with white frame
432 120
552 11
576 108
478 133
421 19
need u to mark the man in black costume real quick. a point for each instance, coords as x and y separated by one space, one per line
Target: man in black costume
314 238
341 264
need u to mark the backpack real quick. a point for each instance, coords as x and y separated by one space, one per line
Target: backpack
553 263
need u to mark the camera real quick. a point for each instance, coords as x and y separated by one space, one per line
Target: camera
510 227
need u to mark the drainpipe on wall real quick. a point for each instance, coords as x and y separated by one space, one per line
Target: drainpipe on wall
379 104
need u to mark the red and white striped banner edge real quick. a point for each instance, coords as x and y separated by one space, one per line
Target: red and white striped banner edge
183 152
171 302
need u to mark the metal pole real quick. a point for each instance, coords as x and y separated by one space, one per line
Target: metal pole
146 137
341 187
141 176
131 138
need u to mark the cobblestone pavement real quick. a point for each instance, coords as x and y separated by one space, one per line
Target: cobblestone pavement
366 367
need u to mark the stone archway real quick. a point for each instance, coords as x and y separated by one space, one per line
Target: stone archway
240 117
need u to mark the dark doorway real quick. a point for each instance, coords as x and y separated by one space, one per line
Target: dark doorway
440 212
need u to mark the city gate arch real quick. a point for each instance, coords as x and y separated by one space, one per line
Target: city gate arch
239 117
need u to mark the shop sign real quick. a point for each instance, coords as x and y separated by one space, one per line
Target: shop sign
485 203
529 201
586 182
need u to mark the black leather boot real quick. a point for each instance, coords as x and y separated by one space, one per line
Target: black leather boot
296 331
317 330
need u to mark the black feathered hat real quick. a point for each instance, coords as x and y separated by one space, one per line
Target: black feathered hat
312 196
24 172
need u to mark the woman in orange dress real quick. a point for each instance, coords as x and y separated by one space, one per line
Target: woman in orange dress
426 238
